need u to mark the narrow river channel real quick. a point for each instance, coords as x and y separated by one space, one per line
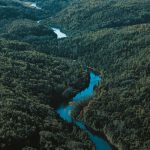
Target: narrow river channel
65 112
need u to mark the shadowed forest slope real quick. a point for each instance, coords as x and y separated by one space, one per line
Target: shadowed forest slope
32 81
113 37
36 70
96 14
121 107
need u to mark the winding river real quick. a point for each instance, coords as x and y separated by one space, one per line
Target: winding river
64 112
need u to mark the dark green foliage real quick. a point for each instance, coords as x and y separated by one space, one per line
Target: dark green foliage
52 6
29 82
121 107
92 15
48 7
111 36
38 73
40 37
11 9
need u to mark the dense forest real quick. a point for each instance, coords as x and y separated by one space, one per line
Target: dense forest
96 14
113 37
32 84
38 72
121 107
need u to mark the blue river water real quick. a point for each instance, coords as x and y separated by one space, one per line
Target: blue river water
65 112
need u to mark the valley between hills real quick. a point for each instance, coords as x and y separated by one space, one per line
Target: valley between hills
40 71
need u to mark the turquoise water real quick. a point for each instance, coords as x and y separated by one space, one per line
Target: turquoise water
100 143
64 112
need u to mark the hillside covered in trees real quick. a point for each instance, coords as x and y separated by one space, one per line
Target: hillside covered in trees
92 15
29 83
113 37
32 84
36 70
121 107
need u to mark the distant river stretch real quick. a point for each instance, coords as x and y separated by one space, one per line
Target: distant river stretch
59 33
